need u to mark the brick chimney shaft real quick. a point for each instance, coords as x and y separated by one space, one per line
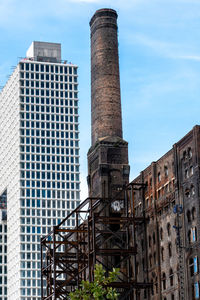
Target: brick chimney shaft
105 84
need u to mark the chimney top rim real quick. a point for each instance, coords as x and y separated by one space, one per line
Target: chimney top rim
103 12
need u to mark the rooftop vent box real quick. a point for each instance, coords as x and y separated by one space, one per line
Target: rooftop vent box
43 51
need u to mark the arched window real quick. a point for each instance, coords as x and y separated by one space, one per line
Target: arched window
152 289
170 249
171 277
166 171
146 186
168 229
150 182
192 190
142 244
184 155
138 294
172 297
143 265
191 266
191 170
193 213
150 260
196 264
193 234
196 290
137 268
164 281
189 236
187 193
188 216
162 254
193 292
154 257
154 238
156 284
145 293
161 233
159 177
189 152
149 241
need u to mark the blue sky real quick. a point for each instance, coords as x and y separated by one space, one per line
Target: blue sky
159 46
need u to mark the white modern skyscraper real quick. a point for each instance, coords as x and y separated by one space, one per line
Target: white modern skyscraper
3 246
39 161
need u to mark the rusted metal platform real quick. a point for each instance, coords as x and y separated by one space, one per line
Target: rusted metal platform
69 255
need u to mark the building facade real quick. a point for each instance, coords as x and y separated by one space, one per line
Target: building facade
168 245
39 157
3 246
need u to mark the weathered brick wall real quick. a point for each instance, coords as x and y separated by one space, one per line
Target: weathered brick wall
105 84
108 167
188 176
154 258
172 180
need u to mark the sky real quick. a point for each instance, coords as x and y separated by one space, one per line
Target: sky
159 48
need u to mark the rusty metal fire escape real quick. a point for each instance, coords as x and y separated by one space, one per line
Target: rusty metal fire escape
69 255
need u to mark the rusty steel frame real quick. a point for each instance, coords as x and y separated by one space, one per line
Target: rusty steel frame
69 255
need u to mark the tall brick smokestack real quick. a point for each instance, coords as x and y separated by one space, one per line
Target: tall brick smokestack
108 168
105 83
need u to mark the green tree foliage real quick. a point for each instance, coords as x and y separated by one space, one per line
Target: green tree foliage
98 289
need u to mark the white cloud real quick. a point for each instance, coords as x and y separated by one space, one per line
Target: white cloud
164 48
156 45
190 57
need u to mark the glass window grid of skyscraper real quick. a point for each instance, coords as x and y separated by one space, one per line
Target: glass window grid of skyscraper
48 159
3 259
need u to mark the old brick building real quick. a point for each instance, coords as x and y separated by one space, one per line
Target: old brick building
168 246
